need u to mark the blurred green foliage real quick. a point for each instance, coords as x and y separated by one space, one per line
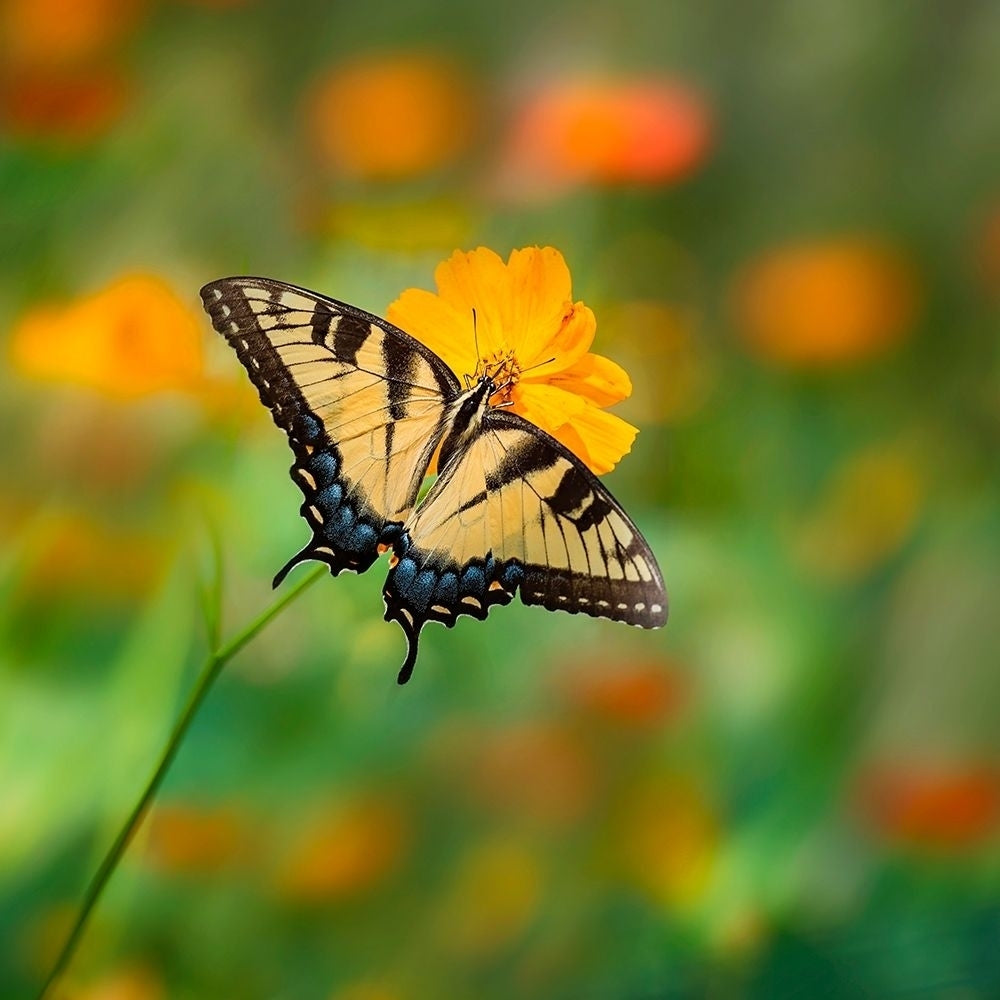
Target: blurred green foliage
786 217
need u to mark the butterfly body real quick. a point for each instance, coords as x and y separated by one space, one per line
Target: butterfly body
366 408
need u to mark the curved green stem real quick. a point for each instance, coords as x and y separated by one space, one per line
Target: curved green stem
210 671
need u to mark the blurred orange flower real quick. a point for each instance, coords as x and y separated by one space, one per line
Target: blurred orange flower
649 131
131 339
825 304
64 32
74 553
988 252
132 983
867 513
633 693
537 771
74 105
345 851
933 806
390 117
522 317
188 839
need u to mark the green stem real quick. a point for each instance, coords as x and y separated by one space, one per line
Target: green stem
210 671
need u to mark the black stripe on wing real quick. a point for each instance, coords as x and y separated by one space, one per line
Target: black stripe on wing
427 586
346 531
580 502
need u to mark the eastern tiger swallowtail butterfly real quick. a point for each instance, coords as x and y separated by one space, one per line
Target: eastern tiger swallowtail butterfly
366 407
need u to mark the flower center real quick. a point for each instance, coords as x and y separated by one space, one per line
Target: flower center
503 369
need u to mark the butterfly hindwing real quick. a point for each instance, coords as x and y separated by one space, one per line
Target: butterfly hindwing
362 403
517 512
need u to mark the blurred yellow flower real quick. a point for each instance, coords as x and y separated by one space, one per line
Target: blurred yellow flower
522 317
825 304
654 338
131 983
494 895
867 512
400 227
935 806
647 131
345 851
131 339
390 117
667 838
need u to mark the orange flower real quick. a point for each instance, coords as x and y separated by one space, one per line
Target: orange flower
523 318
74 105
988 252
187 839
643 694
937 807
132 339
648 131
819 305
537 772
345 852
391 117
73 554
64 32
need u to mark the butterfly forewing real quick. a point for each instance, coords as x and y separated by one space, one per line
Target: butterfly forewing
362 403
516 512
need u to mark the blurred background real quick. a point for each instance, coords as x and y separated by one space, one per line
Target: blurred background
786 217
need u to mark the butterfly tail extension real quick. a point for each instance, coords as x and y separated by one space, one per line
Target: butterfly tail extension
421 588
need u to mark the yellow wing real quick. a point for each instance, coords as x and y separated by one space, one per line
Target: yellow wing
516 511
362 403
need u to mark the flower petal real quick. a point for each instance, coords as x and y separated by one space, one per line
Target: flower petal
478 281
545 405
437 324
597 378
600 438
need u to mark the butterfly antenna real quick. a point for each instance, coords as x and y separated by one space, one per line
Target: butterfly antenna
475 339
539 365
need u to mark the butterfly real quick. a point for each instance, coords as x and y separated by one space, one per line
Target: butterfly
366 407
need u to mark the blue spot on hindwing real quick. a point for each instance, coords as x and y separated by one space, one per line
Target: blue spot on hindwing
342 520
323 465
447 589
512 575
403 574
473 582
422 590
328 499
310 426
362 538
